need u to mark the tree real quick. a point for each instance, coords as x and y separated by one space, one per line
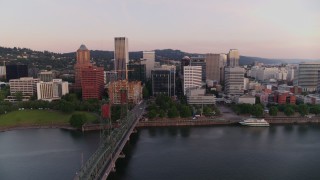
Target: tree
303 109
288 111
66 107
173 112
162 113
18 96
257 110
152 114
185 111
315 109
77 120
273 111
145 93
207 111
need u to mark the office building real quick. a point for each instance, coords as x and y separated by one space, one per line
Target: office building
26 85
83 61
121 57
200 61
92 82
234 80
2 71
198 96
16 71
308 76
54 90
137 71
149 58
213 67
163 80
191 77
233 58
110 76
222 64
185 61
46 76
133 90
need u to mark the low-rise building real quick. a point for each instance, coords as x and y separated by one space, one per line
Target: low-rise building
53 90
246 99
26 85
312 99
284 97
198 96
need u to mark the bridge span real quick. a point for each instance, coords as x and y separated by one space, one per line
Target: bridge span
103 160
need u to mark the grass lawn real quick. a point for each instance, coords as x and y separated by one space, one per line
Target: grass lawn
37 117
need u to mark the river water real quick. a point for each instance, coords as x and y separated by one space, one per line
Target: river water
222 152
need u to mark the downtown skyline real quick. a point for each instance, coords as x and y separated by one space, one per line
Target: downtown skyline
273 29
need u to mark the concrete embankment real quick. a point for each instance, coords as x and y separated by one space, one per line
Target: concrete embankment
2 129
169 122
292 120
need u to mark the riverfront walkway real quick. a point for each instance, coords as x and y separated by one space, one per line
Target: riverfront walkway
102 162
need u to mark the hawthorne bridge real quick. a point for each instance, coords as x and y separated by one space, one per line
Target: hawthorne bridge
113 140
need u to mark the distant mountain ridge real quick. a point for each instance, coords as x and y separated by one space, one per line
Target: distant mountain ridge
161 54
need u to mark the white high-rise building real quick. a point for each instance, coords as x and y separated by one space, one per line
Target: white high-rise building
192 77
121 57
149 58
234 80
53 90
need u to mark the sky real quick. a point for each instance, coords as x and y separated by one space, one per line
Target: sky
260 28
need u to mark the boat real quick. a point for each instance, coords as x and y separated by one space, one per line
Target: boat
254 122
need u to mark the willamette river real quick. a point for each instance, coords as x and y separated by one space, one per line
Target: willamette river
284 152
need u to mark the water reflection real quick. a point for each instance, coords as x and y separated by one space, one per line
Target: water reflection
185 131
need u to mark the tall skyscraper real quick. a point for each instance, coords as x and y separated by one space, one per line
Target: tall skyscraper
191 77
233 58
149 58
223 64
83 61
16 71
213 67
121 57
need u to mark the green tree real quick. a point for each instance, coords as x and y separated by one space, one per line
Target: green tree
66 107
257 110
152 114
288 111
77 120
207 111
145 93
303 109
185 111
18 96
315 109
173 112
273 111
162 113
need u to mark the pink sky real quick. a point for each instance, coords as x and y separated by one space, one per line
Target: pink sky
271 29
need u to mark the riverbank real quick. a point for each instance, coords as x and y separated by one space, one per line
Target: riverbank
66 127
28 119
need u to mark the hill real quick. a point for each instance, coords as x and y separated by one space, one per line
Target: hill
65 61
